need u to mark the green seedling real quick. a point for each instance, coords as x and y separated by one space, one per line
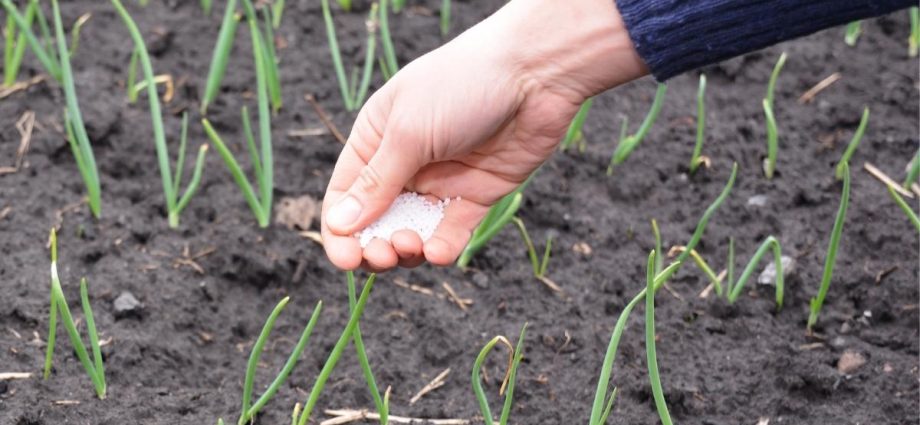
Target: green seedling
249 410
574 134
94 368
382 403
262 162
495 220
73 120
345 5
266 42
772 134
913 171
398 5
540 264
629 143
913 44
277 12
507 387
206 7
15 46
854 29
696 159
732 291
389 63
854 142
818 301
353 93
601 407
650 352
172 180
445 17
45 52
221 55
336 352
911 215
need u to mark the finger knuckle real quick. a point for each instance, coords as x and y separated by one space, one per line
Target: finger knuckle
369 180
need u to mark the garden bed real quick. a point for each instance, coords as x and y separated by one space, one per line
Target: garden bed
207 287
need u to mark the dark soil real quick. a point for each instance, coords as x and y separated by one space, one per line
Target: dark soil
182 360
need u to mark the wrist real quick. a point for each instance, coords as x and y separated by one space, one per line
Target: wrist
577 48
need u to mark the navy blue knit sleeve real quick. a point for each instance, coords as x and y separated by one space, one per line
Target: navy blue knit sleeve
674 36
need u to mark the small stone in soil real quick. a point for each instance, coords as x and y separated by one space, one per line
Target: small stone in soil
127 305
850 361
758 201
409 211
768 275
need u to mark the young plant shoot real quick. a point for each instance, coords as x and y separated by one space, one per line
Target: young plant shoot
389 64
73 121
172 180
908 210
854 142
94 368
913 44
769 166
507 387
382 403
221 55
266 41
15 46
602 403
336 352
262 162
498 216
206 7
650 351
818 301
913 171
854 29
249 410
629 143
574 134
445 17
697 158
45 52
733 290
539 266
353 92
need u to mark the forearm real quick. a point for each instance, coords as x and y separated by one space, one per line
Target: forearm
673 36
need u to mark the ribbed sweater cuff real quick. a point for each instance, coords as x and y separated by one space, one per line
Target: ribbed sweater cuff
674 36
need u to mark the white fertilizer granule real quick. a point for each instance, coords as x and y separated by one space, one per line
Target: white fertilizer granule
410 211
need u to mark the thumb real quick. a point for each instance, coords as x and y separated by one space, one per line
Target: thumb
375 187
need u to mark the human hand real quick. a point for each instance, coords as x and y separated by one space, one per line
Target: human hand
471 119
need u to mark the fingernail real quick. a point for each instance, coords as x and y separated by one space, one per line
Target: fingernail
344 213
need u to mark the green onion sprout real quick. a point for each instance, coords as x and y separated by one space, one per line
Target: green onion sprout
390 64
73 120
818 301
772 133
345 4
601 407
221 55
911 215
507 387
854 29
15 46
94 368
498 216
696 159
382 403
574 134
854 142
445 17
44 52
734 290
172 180
206 7
540 264
277 12
262 162
336 352
629 143
650 352
353 95
913 44
398 5
913 171
266 43
249 410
